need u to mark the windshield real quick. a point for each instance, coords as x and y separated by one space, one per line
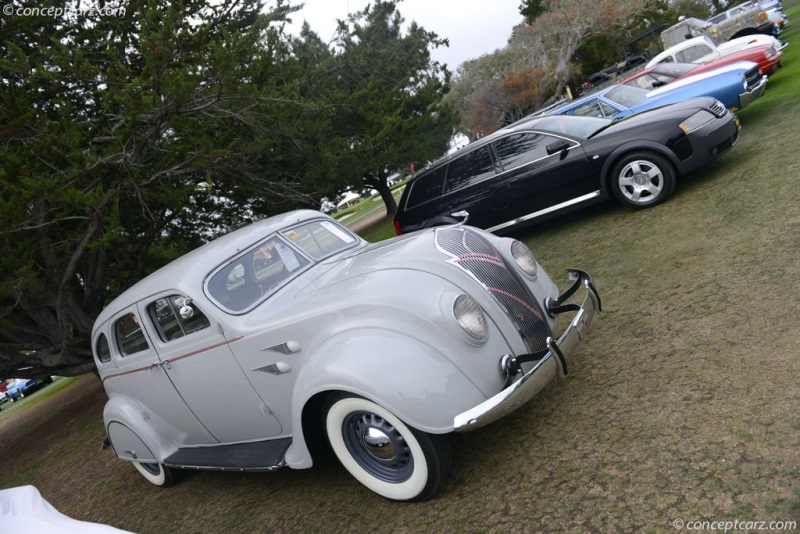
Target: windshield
625 95
574 125
240 284
320 239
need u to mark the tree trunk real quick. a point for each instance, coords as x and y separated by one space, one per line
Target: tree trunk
379 184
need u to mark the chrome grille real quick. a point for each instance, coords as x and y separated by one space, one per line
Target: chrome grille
472 253
752 77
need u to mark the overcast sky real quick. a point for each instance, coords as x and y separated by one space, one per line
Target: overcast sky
474 27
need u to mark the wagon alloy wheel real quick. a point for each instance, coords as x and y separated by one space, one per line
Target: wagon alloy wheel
381 452
643 179
155 473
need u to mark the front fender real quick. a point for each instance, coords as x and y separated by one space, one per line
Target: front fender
132 436
633 146
414 381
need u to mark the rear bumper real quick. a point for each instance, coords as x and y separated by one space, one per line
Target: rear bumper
756 92
553 362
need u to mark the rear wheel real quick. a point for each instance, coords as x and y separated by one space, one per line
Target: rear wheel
642 179
155 473
381 452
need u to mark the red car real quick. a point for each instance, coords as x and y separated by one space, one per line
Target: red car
767 57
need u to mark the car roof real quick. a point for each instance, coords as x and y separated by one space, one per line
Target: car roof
526 123
189 271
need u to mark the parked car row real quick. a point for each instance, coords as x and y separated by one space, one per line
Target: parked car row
628 141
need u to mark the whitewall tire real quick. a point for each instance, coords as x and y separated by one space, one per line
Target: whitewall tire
383 453
155 473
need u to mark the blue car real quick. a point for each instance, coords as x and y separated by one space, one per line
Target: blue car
24 387
735 85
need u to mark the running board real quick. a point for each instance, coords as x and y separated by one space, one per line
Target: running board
545 211
257 456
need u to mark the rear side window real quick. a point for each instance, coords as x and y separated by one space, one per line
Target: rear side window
470 168
103 350
176 316
427 187
130 338
519 149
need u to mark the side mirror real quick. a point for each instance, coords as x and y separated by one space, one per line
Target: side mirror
186 310
557 146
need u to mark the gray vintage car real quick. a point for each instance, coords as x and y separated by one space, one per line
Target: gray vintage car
250 351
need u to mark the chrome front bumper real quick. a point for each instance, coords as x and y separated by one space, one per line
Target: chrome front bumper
553 362
758 91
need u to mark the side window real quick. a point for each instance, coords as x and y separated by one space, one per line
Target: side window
103 350
130 338
470 168
692 53
519 149
176 316
428 187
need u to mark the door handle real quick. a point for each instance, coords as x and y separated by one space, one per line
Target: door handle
160 363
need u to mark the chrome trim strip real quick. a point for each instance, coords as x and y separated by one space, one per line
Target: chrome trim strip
545 211
537 378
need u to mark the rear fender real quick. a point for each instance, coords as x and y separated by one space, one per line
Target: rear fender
414 381
132 437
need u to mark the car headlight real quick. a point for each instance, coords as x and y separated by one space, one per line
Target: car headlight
524 258
470 317
770 52
697 120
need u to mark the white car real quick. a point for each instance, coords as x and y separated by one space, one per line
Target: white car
703 49
247 352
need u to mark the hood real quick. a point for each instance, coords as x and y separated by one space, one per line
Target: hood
413 251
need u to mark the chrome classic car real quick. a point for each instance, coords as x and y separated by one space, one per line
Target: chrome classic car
253 350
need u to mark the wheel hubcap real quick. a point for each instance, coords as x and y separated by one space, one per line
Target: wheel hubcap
378 444
641 181
378 447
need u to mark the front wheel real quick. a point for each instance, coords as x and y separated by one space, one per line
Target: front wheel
642 179
381 452
155 473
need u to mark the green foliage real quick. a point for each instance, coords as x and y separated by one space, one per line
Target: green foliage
111 129
532 9
377 99
128 139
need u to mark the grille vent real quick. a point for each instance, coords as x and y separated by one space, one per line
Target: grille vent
472 253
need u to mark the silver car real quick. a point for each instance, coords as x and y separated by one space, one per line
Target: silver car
257 348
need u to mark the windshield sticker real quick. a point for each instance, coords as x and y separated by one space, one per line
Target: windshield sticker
288 257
